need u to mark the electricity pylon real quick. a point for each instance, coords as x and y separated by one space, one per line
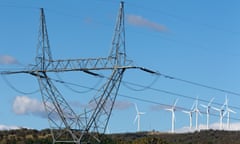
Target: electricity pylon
67 126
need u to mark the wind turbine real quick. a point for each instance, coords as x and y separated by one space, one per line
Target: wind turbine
138 116
208 107
190 116
173 109
196 111
222 113
228 111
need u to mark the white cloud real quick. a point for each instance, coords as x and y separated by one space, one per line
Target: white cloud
215 126
6 59
24 105
6 127
143 22
122 105
233 126
118 105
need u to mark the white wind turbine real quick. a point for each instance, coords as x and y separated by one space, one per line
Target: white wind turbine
222 113
190 116
228 111
173 109
196 111
208 107
138 116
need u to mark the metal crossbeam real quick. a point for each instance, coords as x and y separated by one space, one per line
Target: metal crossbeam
67 126
74 65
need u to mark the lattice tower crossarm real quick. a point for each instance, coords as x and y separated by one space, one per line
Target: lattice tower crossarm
64 122
67 126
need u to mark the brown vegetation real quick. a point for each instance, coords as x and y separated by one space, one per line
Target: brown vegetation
28 136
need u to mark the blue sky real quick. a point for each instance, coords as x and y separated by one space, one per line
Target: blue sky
192 40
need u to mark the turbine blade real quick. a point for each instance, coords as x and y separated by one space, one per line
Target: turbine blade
196 101
226 100
199 112
193 106
175 103
222 107
168 109
217 109
187 112
136 107
204 106
135 119
224 113
142 113
230 110
210 102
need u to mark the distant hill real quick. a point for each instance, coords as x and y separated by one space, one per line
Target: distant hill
28 136
202 137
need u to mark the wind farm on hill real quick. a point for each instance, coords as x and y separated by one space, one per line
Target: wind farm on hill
224 111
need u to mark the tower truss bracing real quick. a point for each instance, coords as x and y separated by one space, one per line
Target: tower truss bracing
66 125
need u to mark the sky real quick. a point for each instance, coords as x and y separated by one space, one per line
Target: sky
196 41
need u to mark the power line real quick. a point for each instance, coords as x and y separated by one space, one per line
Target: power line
15 89
151 88
199 84
125 83
130 97
160 90
150 101
183 96
77 91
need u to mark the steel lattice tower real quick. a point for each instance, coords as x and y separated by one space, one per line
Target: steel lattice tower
67 126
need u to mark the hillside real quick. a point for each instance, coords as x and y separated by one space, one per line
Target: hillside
27 136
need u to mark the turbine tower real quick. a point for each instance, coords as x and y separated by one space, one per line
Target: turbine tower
197 112
221 114
208 107
190 112
66 125
172 110
138 117
228 111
